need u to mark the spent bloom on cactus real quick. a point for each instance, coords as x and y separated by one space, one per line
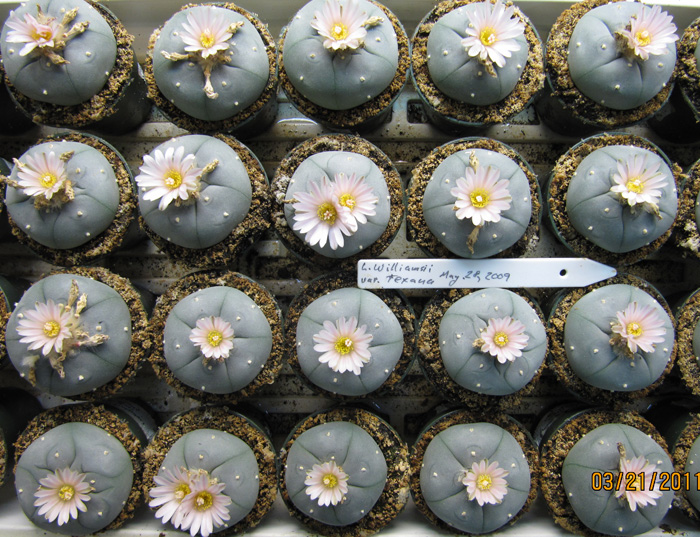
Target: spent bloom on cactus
62 494
481 195
171 488
492 32
205 507
650 32
42 175
639 183
345 347
638 491
638 327
504 338
486 483
327 482
169 176
354 193
32 32
214 337
342 26
206 32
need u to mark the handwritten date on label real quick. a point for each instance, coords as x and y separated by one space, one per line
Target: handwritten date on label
403 274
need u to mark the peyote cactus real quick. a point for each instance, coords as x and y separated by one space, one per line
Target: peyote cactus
335 473
90 461
217 340
492 342
691 466
467 71
618 338
348 342
453 467
622 54
473 227
70 334
605 453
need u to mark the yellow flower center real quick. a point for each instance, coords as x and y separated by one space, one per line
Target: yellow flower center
633 329
173 179
66 493
483 482
346 200
339 31
51 328
41 35
215 338
344 345
203 501
330 481
327 213
182 490
500 339
635 185
487 36
633 484
643 37
206 39
48 180
479 198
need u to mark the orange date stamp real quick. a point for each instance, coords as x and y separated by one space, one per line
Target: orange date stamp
631 481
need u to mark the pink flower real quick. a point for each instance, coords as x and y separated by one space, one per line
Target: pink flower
638 492
639 327
354 193
503 338
205 32
205 507
650 32
214 336
344 346
170 176
32 32
486 484
171 488
327 482
481 196
46 327
492 32
637 183
342 26
43 175
61 495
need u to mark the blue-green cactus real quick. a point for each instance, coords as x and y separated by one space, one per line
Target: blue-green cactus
599 452
493 237
691 466
371 312
82 208
212 212
252 340
99 344
71 71
600 363
342 79
449 457
86 449
696 340
358 456
604 217
601 67
463 77
697 209
324 166
479 371
238 74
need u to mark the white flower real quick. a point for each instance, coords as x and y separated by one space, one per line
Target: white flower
43 175
319 216
344 346
492 32
169 176
171 488
214 336
486 484
32 32
649 33
205 32
355 194
46 327
61 495
638 491
637 183
205 507
327 482
503 338
639 327
481 196
342 26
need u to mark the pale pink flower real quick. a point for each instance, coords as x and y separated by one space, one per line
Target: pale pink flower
319 216
486 484
171 488
650 32
327 482
169 176
503 338
205 32
46 327
637 183
205 507
354 193
342 26
639 327
32 32
61 495
214 337
638 492
492 32
345 347
481 196
41 175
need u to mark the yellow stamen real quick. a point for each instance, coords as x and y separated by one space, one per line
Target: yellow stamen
44 35
634 329
635 185
346 200
500 339
327 213
330 481
203 501
479 198
48 180
483 482
633 484
344 345
206 39
181 491
487 36
339 31
215 338
173 179
51 328
643 37
66 493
